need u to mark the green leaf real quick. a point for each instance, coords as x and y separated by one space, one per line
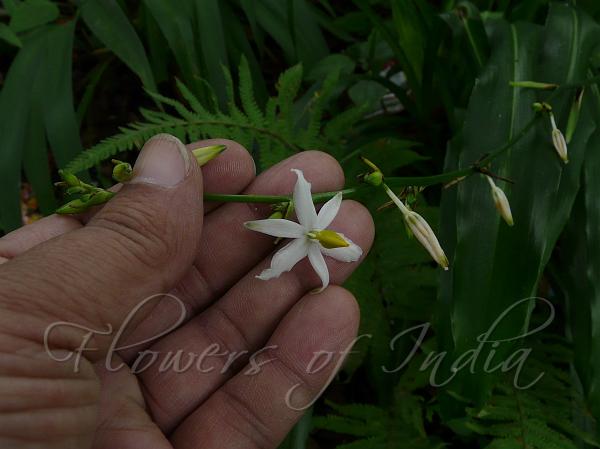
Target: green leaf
35 160
331 63
8 35
15 100
179 34
212 42
308 39
60 119
92 80
111 26
577 268
495 266
411 34
272 16
31 14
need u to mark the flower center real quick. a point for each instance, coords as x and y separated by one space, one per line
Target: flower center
329 239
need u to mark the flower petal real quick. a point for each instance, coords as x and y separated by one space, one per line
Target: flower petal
318 263
350 253
285 259
329 211
277 227
303 204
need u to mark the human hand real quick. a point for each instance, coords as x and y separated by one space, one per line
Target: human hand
156 236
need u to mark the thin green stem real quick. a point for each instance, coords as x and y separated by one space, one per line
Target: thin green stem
274 199
409 181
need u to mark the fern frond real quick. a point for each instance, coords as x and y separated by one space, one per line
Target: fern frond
271 134
247 94
540 417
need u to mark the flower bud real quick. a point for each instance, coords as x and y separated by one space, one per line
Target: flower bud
534 85
72 207
122 171
205 154
425 235
85 202
69 178
558 140
501 202
374 178
421 230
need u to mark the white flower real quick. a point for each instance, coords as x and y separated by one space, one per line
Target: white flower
421 230
501 202
310 236
560 144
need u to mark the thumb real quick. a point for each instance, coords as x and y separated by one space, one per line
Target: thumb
139 244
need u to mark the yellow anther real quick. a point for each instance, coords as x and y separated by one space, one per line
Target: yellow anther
329 239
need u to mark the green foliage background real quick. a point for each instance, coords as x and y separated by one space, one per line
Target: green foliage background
419 87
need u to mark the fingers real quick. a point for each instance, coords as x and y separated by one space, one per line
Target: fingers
45 403
140 243
25 238
231 172
259 405
239 323
123 421
227 250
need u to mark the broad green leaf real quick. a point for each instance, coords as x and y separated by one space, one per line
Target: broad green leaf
32 13
62 127
14 112
308 40
10 5
330 63
35 157
494 265
8 35
577 268
111 26
272 16
411 34
92 80
179 34
212 42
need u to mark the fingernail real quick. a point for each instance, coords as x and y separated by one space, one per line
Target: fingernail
163 161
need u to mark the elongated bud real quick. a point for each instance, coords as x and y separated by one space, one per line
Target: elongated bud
75 190
100 197
205 154
425 235
533 85
501 202
122 171
69 179
558 140
329 239
72 207
85 202
421 230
